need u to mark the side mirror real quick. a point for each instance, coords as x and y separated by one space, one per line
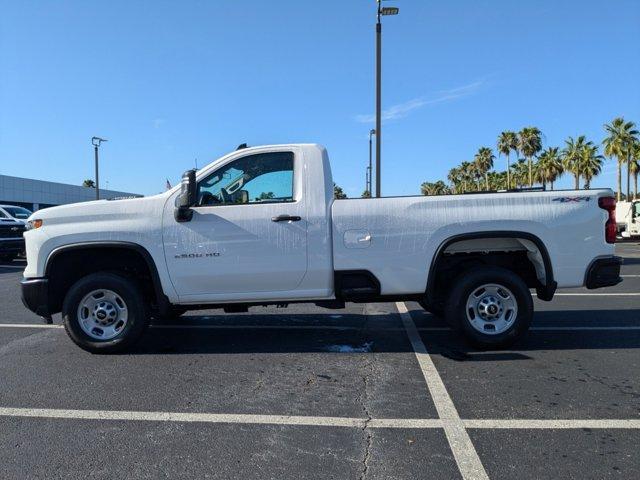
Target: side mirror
187 197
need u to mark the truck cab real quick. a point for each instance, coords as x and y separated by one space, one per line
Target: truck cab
257 230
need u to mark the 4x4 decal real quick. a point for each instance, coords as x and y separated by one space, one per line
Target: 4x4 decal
572 199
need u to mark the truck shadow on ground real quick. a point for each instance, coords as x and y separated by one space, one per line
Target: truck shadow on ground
363 334
17 266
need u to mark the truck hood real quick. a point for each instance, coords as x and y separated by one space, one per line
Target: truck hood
100 210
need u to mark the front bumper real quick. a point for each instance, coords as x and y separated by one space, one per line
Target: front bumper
11 246
603 272
35 295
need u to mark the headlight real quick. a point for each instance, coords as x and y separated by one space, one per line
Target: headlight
33 224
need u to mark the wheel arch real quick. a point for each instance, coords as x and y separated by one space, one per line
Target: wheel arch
158 292
545 292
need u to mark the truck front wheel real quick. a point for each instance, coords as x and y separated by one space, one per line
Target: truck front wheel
490 306
104 313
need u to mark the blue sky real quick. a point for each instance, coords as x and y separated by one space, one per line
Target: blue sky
169 82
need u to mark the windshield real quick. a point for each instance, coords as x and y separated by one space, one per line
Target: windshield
18 212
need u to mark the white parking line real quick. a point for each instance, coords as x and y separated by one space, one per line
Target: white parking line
577 329
29 325
183 417
630 276
552 424
460 443
549 329
634 294
297 420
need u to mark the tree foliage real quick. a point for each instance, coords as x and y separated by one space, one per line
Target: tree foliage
580 157
338 193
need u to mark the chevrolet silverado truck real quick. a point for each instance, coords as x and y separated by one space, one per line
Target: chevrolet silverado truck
260 226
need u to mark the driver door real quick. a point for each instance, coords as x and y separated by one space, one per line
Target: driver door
248 235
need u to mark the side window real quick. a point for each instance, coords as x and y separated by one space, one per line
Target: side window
265 177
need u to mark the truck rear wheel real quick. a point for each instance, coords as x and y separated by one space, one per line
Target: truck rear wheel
104 313
490 306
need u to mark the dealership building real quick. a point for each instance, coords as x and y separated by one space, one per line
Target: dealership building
37 194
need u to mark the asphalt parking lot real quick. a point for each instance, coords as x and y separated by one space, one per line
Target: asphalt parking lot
371 391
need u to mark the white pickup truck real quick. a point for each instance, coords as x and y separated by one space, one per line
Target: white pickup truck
260 226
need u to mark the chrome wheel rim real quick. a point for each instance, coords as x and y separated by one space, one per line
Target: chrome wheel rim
491 309
102 314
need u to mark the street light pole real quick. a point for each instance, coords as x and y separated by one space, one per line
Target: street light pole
96 141
382 11
378 96
370 168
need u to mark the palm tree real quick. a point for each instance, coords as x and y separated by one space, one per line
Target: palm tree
484 162
498 180
88 183
441 188
590 163
519 172
617 144
635 167
549 166
454 178
571 158
508 142
467 174
530 143
434 188
574 155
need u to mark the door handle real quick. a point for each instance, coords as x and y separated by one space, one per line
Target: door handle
286 218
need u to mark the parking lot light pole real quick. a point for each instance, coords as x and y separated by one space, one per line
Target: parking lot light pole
96 141
382 11
370 167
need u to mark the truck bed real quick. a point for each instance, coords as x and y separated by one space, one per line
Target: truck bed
395 239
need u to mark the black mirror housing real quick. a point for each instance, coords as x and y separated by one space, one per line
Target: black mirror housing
187 197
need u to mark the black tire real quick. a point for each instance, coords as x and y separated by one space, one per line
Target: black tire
128 291
470 282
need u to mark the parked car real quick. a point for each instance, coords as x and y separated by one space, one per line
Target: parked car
15 212
260 226
11 239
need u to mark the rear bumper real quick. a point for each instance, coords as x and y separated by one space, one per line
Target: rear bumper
35 295
603 272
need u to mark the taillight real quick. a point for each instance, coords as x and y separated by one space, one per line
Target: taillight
610 228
